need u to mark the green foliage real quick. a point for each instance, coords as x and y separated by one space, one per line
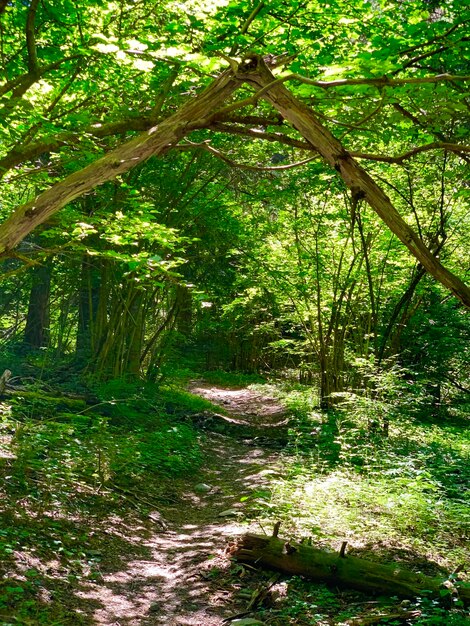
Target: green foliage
131 438
347 478
188 264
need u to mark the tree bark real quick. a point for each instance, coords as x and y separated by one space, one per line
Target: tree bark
36 334
339 569
184 317
362 186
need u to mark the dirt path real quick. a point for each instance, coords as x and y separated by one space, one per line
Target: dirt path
183 576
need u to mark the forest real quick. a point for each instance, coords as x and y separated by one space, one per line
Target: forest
234 330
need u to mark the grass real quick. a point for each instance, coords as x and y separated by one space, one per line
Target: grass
407 491
63 473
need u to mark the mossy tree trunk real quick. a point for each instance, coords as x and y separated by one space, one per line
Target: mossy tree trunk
338 569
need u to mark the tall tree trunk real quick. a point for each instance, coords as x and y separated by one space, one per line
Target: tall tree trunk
88 296
36 334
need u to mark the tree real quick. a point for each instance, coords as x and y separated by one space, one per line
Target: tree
145 196
202 111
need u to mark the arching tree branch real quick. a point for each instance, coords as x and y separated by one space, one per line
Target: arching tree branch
196 113
355 177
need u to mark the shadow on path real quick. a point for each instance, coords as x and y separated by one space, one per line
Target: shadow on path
182 579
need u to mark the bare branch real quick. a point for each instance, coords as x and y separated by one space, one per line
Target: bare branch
247 23
252 17
163 92
435 145
189 145
259 134
255 119
421 57
19 155
434 39
303 145
383 81
19 85
366 118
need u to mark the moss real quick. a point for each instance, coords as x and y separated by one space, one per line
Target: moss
38 404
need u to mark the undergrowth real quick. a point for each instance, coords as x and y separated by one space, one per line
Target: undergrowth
346 479
395 489
64 465
398 493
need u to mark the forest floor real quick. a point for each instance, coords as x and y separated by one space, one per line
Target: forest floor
88 552
167 567
183 576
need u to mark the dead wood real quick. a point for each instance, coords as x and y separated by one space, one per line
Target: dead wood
4 378
370 620
341 570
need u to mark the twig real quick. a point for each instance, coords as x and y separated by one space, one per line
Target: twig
127 495
260 593
236 616
189 145
247 23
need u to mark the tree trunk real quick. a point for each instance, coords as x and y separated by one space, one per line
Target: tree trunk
88 296
402 303
184 319
362 186
339 569
36 334
135 334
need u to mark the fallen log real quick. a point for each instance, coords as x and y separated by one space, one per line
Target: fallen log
342 570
